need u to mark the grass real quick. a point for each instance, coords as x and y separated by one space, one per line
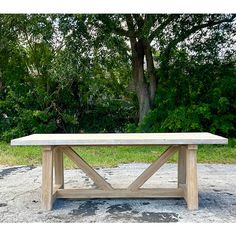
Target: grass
113 156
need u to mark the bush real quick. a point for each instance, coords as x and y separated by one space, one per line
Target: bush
196 97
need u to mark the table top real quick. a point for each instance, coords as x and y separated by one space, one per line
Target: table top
116 139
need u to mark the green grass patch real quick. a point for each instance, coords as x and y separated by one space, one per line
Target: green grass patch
113 156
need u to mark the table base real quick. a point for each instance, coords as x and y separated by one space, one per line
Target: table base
187 178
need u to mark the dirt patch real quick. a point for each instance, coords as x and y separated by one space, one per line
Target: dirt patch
118 208
9 171
125 212
87 208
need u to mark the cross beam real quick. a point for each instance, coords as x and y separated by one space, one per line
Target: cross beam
154 167
120 193
98 179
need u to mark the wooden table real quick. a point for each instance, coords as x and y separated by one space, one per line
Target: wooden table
55 145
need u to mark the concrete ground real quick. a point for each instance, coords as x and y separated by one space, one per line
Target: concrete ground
20 196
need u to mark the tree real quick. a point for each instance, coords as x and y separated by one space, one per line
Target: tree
148 34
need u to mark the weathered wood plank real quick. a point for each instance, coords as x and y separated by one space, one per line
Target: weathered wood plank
140 180
120 193
183 186
98 179
120 139
59 167
191 177
182 165
47 178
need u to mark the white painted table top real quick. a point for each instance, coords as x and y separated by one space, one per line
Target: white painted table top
120 139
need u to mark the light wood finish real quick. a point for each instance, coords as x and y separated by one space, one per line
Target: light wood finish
98 179
140 180
183 187
191 177
55 189
47 178
59 167
187 163
120 139
120 193
182 165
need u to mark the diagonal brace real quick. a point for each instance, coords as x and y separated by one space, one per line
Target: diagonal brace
140 180
88 170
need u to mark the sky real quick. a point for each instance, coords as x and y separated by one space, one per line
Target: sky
118 6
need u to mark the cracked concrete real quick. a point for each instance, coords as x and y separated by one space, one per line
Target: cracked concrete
20 196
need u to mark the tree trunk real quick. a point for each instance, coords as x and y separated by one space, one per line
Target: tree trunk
151 73
141 86
145 89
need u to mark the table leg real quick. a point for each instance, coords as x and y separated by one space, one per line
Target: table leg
182 166
59 168
191 177
47 178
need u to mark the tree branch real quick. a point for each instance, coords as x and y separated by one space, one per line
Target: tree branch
162 26
131 33
187 33
139 20
129 22
194 29
123 32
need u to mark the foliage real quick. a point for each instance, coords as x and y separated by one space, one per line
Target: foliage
47 86
198 97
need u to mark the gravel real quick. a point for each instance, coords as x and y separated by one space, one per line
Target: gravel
20 196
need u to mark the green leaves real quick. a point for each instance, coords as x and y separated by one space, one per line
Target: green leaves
198 96
61 73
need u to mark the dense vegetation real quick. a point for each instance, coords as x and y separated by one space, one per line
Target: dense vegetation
116 73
